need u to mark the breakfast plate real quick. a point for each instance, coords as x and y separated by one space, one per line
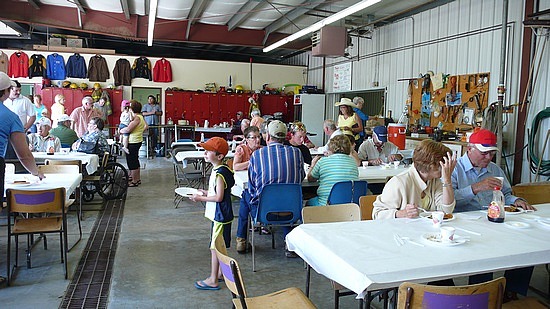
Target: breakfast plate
517 224
545 222
186 191
435 240
19 183
530 217
513 210
428 215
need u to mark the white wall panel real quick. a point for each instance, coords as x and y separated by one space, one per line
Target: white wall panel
460 37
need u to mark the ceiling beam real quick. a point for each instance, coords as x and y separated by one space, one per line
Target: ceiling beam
34 4
79 6
196 10
242 14
288 18
125 8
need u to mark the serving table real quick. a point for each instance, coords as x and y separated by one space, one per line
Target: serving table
89 161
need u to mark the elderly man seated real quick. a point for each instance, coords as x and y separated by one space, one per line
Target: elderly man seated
330 129
378 150
66 135
43 141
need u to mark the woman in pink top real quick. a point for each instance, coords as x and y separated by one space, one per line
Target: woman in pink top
244 150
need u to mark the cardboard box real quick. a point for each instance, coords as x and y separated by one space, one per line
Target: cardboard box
55 42
74 43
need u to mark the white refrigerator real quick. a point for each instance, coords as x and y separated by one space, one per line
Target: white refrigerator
310 109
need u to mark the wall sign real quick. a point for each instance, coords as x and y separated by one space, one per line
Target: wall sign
342 77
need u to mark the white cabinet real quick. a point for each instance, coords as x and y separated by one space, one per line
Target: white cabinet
310 109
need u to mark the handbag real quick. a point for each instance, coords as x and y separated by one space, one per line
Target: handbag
88 147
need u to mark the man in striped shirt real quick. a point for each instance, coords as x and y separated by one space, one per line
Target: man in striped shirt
276 163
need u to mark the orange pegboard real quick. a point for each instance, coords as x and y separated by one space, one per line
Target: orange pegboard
455 104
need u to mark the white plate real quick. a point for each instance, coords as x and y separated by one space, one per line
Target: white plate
435 240
19 184
428 215
517 224
185 191
545 222
520 210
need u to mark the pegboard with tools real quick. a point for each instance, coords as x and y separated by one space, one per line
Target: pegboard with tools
448 101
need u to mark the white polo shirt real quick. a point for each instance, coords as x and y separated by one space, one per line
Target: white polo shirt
22 106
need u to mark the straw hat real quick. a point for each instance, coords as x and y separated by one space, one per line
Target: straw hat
345 101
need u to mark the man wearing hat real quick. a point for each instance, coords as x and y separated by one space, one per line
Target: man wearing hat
63 131
12 131
275 163
474 179
377 150
43 141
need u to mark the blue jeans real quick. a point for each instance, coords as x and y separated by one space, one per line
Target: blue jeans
517 280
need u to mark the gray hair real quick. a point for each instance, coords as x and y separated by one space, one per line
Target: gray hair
358 100
255 112
329 124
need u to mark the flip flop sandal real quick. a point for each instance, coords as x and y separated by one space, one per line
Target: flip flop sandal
133 184
203 286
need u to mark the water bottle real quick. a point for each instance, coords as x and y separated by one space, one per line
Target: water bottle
202 137
496 208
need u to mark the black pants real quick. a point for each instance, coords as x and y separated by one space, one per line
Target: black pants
2 174
132 159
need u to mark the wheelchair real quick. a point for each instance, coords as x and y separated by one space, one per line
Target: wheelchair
110 181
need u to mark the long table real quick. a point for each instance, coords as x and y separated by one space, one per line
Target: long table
372 174
68 181
364 256
90 161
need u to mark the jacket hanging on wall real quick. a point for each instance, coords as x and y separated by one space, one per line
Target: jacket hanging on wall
162 71
37 66
19 65
142 68
76 66
4 62
122 73
55 67
97 69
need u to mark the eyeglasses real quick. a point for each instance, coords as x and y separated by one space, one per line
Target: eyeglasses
487 153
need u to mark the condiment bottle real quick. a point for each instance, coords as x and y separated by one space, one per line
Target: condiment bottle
496 211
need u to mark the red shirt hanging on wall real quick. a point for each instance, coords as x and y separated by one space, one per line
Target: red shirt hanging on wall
19 65
162 72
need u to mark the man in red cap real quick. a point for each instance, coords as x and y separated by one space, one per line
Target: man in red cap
474 179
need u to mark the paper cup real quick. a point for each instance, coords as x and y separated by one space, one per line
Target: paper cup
447 233
396 163
501 180
437 218
365 163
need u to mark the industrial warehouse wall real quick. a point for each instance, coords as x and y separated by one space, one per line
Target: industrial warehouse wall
460 37
194 74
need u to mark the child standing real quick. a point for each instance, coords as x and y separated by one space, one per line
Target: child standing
218 204
126 117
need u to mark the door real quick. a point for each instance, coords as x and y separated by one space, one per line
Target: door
140 94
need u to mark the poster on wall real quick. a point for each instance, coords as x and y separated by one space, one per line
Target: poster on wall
342 77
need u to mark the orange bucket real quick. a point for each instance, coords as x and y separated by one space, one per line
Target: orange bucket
396 134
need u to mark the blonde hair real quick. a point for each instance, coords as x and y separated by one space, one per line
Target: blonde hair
58 98
340 144
428 154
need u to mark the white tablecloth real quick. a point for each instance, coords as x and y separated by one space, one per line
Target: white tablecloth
364 256
372 174
182 156
67 181
91 161
213 130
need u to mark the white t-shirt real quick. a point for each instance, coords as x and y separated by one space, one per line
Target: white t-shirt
22 106
322 149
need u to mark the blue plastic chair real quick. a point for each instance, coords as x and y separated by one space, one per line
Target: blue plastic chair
348 191
280 204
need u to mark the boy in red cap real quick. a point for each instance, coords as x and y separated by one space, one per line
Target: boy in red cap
218 204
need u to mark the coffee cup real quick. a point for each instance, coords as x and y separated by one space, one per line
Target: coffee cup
447 233
501 180
437 218
365 163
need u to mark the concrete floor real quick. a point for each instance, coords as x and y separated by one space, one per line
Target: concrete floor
161 252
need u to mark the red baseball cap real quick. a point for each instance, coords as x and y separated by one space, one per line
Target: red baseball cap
484 140
216 144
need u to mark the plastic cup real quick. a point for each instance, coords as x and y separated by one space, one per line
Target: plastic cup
437 218
365 163
396 164
447 233
501 180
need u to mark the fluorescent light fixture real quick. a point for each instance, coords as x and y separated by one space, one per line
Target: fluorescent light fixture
152 16
320 24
